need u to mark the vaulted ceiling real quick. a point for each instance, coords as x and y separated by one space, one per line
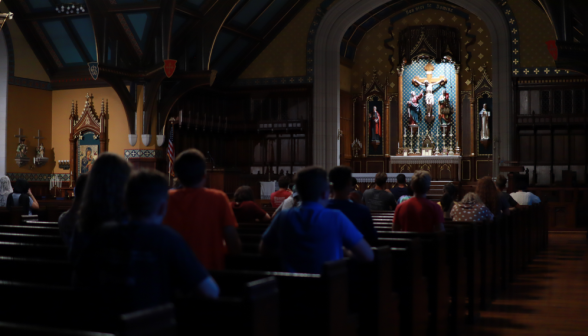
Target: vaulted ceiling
135 36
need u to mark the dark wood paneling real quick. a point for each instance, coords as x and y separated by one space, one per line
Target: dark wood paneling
395 138
526 150
560 154
544 149
466 132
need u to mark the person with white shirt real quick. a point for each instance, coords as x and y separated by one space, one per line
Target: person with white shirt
522 196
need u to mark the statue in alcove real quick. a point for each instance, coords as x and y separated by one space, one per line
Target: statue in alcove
414 108
484 124
444 108
375 127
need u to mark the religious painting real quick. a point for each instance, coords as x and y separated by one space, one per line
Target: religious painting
88 151
483 115
375 125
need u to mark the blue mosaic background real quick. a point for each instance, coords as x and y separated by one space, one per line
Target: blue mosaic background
417 68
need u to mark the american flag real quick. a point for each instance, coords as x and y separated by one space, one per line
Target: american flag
171 151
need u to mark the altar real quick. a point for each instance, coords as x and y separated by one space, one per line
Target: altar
441 168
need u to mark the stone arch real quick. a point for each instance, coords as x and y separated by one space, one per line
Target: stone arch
344 13
4 71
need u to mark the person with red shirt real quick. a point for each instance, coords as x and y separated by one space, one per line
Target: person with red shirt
418 214
245 209
202 216
277 197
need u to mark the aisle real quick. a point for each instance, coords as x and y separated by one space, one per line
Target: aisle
549 298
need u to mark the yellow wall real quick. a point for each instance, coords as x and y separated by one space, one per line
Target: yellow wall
535 29
371 53
29 109
26 64
285 56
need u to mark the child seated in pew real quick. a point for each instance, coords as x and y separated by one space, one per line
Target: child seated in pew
505 198
450 195
471 209
142 263
102 200
245 209
358 214
418 214
379 198
489 194
308 236
202 216
522 196
67 220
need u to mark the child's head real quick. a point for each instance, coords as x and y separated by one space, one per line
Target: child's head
190 167
146 195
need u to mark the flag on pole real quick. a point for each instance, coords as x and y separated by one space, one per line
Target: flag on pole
171 151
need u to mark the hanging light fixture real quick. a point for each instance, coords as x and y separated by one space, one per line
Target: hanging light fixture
70 8
4 17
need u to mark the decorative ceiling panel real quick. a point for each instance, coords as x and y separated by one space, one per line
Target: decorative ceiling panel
62 42
83 28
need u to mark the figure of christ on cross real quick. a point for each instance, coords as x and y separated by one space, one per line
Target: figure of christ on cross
429 84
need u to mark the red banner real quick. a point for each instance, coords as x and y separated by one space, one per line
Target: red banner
169 67
552 46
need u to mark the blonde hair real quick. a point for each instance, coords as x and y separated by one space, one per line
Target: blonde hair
420 182
471 197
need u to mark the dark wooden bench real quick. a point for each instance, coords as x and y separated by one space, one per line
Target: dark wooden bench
77 309
35 271
435 270
37 251
30 229
30 238
410 284
310 304
248 306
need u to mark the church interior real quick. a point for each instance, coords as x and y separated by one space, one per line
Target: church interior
461 89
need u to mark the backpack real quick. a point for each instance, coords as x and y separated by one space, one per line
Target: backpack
23 201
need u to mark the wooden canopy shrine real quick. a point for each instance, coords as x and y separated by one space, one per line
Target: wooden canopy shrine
87 122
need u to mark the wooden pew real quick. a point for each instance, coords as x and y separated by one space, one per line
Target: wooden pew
435 270
310 304
473 267
38 251
409 283
77 309
30 229
11 216
35 271
370 292
247 306
30 238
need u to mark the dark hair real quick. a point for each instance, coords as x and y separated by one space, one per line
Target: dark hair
521 182
353 182
104 194
488 193
146 190
501 182
190 167
80 186
311 183
381 179
283 182
21 186
450 194
244 193
401 179
421 182
340 177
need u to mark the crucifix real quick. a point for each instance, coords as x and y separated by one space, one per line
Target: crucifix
21 150
40 147
429 82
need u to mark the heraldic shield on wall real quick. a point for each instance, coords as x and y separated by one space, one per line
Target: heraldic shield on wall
94 69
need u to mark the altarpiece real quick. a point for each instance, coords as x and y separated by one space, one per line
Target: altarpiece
88 136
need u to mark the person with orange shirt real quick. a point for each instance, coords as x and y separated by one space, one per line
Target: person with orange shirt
202 216
277 197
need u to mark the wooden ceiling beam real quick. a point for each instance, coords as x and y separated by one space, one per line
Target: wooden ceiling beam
147 6
189 12
242 33
52 16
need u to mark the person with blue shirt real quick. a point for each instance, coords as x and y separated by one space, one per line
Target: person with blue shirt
358 214
308 236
